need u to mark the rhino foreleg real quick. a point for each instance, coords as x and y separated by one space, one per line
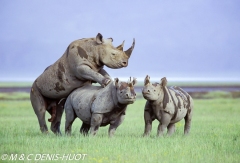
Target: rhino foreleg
105 74
148 123
85 72
171 129
96 121
164 122
39 106
114 125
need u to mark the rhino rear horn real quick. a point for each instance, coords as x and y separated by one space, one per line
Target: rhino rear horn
120 47
129 51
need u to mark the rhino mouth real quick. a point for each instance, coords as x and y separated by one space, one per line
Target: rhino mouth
122 64
118 65
146 95
129 99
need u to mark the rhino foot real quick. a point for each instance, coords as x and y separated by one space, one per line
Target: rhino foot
105 82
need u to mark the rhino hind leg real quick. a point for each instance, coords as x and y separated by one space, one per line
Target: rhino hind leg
39 106
84 129
188 119
70 117
55 125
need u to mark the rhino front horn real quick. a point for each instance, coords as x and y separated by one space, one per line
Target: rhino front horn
129 51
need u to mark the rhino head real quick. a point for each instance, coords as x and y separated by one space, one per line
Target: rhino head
125 91
154 91
112 57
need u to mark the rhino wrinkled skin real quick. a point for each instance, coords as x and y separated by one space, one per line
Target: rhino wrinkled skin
97 106
82 62
167 105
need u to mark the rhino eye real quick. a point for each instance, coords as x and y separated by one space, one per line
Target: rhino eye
154 90
121 92
113 53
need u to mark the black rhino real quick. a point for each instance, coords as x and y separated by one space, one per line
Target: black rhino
97 106
83 61
167 105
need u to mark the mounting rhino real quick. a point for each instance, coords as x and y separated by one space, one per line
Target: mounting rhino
97 106
167 105
82 62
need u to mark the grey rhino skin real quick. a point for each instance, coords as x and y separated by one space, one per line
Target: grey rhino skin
97 106
83 61
167 105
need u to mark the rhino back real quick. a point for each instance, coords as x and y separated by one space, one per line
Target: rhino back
82 99
104 102
59 79
83 52
180 103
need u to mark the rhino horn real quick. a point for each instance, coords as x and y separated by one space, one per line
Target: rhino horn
120 47
129 51
130 84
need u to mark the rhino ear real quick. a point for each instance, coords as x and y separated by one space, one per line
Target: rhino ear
134 81
147 80
163 82
99 38
120 47
116 80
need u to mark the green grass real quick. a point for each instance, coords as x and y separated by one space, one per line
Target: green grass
15 84
15 96
140 83
195 83
214 136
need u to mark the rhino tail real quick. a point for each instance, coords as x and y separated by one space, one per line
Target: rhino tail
188 102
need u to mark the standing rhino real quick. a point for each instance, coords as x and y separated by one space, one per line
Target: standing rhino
167 105
83 61
97 106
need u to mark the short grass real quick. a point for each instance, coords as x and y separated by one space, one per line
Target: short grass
214 136
15 84
14 96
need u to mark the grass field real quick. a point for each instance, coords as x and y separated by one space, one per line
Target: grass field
214 136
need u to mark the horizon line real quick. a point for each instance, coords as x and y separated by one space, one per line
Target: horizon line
170 79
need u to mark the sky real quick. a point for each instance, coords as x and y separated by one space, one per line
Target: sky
174 39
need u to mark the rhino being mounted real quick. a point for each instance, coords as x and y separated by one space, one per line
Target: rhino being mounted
82 62
97 106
